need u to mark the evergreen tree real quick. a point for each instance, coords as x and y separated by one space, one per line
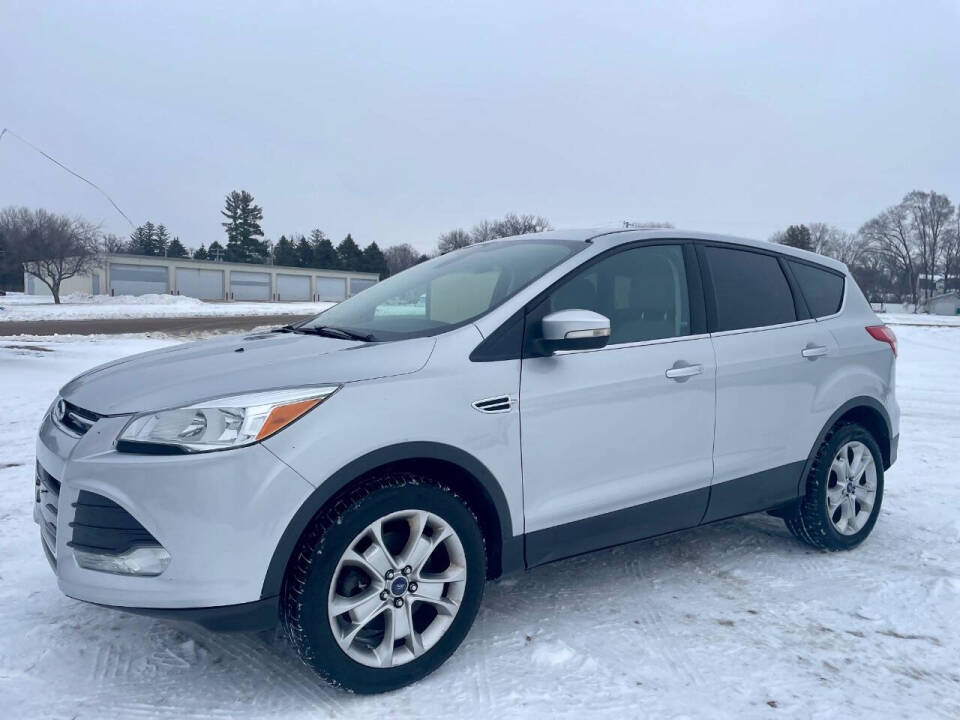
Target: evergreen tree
216 251
285 253
161 239
176 249
350 254
374 261
201 253
304 253
325 256
244 235
140 240
798 236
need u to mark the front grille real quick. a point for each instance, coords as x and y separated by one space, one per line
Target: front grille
76 419
47 494
100 525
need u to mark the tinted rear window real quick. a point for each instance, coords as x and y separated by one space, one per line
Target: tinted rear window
749 289
822 289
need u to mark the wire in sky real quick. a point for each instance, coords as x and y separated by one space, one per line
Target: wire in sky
56 162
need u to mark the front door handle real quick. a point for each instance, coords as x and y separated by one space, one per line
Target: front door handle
682 371
812 352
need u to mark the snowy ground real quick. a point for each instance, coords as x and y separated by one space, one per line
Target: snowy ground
729 621
921 319
20 307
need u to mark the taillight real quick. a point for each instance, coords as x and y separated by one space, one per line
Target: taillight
884 334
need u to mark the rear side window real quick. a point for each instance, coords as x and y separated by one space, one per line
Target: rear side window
822 289
749 289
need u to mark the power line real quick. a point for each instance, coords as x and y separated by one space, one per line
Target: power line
56 162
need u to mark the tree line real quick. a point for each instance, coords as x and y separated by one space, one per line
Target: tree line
907 253
245 243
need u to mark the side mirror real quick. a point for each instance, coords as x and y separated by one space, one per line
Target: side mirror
574 330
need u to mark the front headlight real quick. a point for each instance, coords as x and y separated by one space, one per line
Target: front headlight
221 423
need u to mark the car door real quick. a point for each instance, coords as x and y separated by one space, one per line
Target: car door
617 442
772 359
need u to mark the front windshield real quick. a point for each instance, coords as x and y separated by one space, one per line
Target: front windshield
447 291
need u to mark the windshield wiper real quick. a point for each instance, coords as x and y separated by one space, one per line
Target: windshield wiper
284 329
330 331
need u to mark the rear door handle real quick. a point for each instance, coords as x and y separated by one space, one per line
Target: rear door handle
812 352
682 371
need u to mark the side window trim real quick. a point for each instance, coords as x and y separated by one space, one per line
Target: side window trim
710 295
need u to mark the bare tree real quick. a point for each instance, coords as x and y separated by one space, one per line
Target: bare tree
400 257
453 240
113 244
513 224
483 231
833 242
509 225
890 233
951 256
931 215
52 247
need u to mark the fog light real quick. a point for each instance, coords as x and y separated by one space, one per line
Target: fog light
142 561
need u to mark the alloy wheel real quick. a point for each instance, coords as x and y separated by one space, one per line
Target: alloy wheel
397 588
851 488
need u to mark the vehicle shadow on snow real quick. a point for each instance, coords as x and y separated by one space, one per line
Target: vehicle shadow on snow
255 673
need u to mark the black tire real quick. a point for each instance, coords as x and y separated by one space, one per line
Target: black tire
303 606
808 519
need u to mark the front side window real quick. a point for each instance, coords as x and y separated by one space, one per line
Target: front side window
643 292
822 289
447 291
749 289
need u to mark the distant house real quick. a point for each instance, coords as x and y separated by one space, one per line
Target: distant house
945 304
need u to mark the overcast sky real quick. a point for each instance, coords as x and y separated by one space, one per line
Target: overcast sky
397 121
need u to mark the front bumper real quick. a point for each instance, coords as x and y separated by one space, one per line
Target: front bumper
220 516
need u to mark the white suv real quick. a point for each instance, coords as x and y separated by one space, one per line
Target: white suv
361 475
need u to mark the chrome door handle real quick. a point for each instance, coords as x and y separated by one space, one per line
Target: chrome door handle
682 371
812 352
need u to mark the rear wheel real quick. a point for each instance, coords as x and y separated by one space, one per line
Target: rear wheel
385 586
844 491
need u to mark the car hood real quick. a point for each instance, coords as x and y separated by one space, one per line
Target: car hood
195 371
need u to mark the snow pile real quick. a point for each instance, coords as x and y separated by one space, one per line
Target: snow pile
150 299
731 620
83 306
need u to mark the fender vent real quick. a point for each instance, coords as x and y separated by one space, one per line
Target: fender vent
499 404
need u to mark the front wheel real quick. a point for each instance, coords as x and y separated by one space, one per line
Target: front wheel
385 585
844 491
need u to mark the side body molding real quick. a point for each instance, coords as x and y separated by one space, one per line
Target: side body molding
511 548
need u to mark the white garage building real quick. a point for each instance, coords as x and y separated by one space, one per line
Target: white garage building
945 304
209 280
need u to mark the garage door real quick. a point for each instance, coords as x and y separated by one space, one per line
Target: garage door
249 285
137 279
200 284
331 289
356 285
293 287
